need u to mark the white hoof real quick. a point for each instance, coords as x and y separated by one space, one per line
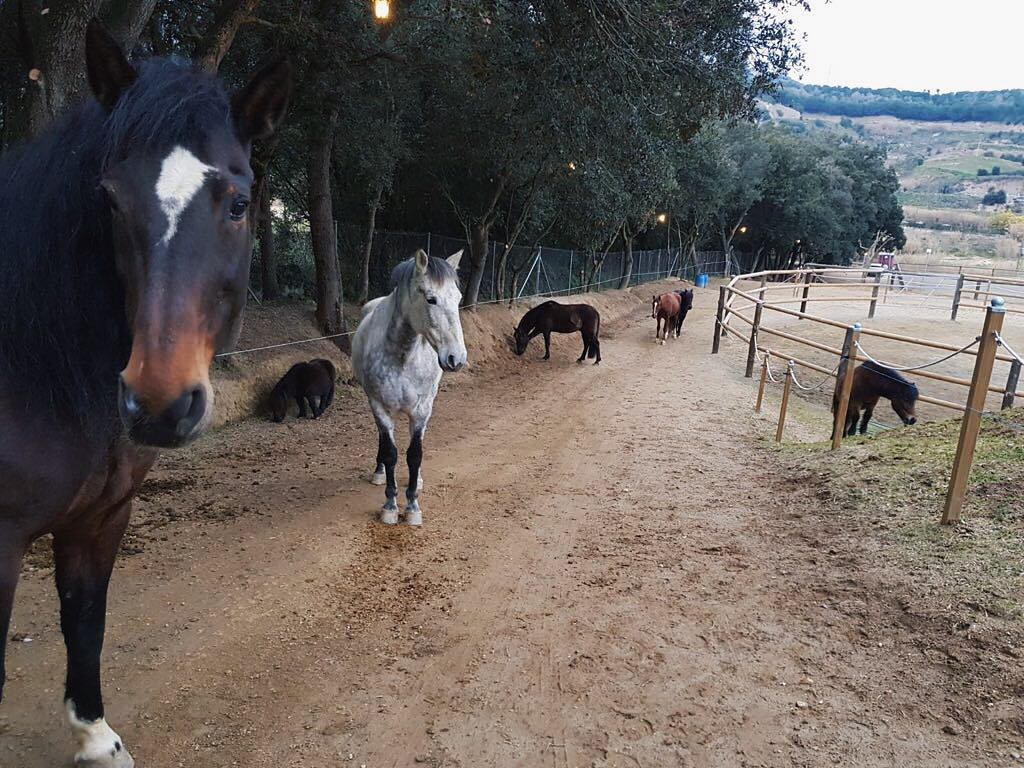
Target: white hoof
99 746
413 516
389 515
378 478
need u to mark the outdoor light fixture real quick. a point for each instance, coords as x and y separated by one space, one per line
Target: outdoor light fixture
662 218
743 230
572 166
382 9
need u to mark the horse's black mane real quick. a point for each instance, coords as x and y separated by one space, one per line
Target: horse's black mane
63 332
912 392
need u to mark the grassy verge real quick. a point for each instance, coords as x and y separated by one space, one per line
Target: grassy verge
894 484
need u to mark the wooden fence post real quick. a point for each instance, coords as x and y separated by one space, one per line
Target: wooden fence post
807 290
785 402
752 347
1011 384
719 328
764 380
971 423
956 296
844 384
874 294
888 287
977 288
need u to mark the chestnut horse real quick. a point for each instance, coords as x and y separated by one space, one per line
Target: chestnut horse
666 309
872 381
125 244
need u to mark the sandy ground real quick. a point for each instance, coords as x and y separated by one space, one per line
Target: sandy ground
612 572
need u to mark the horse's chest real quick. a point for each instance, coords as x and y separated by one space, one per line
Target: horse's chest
402 387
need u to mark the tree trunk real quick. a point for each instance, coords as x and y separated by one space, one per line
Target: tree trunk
627 260
479 239
371 223
221 35
329 316
268 261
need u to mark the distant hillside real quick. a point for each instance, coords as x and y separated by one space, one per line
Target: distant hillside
985 106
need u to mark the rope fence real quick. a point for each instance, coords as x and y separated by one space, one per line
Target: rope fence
986 349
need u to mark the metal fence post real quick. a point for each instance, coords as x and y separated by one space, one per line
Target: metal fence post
722 290
971 423
874 295
1011 385
752 347
785 402
956 296
568 290
844 384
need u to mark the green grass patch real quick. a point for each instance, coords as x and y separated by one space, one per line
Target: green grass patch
893 485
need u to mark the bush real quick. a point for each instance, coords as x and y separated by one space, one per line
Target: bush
982 172
994 197
996 170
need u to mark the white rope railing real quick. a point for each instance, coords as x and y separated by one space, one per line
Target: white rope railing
917 367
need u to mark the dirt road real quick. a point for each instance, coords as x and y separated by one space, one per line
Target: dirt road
612 572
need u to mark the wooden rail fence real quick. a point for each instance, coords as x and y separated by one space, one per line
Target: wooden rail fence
984 349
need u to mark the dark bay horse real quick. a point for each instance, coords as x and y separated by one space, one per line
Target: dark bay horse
308 384
871 382
665 310
552 317
685 305
125 244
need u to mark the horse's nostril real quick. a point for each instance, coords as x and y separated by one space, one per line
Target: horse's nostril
130 405
451 361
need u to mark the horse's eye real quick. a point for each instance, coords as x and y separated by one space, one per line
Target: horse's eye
238 208
431 299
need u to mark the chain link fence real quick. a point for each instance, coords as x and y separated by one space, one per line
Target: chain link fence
528 270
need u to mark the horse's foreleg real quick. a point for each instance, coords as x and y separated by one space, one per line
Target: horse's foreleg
869 410
10 567
657 329
302 406
387 454
851 421
414 458
84 557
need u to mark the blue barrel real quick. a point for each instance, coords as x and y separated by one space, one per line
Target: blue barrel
701 281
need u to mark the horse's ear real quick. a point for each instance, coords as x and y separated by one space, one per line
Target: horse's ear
455 258
421 261
259 107
106 66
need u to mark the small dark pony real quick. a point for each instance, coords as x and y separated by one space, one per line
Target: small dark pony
872 381
125 244
666 309
552 317
685 305
309 384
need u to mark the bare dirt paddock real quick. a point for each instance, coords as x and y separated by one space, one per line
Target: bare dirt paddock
613 571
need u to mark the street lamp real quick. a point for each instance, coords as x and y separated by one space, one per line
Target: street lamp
382 9
743 230
662 218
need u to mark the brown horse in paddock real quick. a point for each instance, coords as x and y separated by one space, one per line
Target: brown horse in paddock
125 244
872 381
309 384
665 309
552 317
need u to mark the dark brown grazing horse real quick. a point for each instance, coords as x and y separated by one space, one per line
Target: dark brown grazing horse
552 317
871 382
309 384
665 309
124 255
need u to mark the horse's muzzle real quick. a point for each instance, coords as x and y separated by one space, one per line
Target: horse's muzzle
451 363
177 424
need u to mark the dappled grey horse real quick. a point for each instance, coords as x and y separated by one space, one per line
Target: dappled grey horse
404 342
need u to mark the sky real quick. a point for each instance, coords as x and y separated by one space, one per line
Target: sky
946 45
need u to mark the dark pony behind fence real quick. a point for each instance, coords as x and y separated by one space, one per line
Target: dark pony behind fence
552 317
872 381
124 253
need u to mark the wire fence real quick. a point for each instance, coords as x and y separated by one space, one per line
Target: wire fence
516 272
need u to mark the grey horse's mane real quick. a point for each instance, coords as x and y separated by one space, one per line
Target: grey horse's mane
439 272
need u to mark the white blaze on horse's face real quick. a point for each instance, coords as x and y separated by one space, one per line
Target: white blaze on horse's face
434 313
182 174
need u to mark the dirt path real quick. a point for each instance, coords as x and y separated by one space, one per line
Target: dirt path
610 573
